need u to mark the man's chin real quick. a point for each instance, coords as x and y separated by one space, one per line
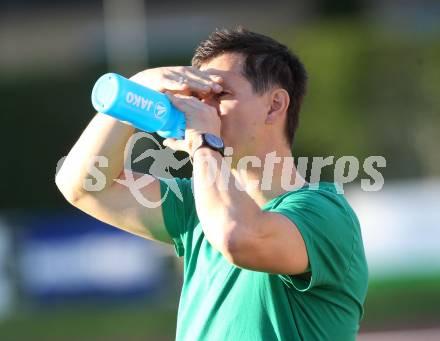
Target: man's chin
230 140
227 141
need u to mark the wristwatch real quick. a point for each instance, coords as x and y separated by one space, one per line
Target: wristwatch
211 141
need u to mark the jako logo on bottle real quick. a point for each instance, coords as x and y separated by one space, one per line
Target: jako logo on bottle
138 101
159 110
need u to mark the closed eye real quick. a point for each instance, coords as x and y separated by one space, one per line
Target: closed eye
222 94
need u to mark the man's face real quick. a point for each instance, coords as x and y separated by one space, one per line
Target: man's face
242 111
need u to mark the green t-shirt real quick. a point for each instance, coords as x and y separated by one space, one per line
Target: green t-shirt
220 301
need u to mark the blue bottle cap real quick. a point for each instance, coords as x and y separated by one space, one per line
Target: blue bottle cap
105 92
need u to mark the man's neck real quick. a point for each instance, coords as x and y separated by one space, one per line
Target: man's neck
268 180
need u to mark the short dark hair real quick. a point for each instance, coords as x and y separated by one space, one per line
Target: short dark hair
267 63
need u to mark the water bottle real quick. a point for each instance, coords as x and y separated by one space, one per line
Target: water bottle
143 108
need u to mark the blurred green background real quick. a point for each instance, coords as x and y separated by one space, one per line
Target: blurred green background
374 83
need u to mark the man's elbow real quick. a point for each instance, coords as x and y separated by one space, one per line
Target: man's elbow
71 194
235 245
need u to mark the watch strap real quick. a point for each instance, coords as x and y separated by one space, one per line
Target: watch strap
204 143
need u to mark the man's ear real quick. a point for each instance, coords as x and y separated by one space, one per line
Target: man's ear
279 103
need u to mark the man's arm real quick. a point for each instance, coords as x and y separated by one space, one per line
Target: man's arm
247 236
113 204
231 220
106 138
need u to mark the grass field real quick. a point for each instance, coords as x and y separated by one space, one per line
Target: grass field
404 303
92 323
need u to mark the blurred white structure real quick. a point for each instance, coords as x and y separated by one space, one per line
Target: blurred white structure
125 34
93 261
400 227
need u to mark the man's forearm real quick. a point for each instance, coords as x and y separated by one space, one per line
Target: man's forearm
105 137
227 215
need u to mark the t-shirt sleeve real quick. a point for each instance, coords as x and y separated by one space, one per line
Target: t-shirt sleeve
177 209
328 230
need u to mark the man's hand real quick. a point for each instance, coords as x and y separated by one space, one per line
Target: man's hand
184 86
200 118
185 80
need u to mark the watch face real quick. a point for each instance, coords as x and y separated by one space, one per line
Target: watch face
214 141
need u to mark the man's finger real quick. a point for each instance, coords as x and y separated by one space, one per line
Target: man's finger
209 82
197 80
181 102
204 76
186 103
